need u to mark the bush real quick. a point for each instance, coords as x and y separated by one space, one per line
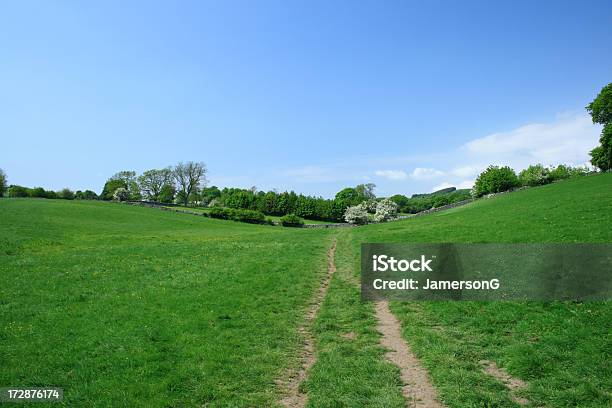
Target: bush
357 214
66 194
291 220
121 194
249 216
535 175
85 195
495 180
385 210
38 192
221 213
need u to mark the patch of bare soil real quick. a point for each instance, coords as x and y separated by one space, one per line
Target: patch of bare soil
293 397
512 383
417 389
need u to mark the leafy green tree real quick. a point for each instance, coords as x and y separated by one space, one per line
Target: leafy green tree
601 112
535 175
3 183
110 187
151 182
38 192
349 196
366 191
210 193
401 201
18 191
65 194
495 180
166 194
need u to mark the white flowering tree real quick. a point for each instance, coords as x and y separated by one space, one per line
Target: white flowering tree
357 214
370 205
121 194
385 210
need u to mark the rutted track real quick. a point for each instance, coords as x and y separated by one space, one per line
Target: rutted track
417 389
293 397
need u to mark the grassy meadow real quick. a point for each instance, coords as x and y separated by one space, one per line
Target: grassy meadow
131 306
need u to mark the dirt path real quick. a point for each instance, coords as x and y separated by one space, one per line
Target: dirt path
417 389
512 383
294 398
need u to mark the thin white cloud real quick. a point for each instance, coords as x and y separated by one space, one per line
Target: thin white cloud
392 174
567 140
425 173
467 171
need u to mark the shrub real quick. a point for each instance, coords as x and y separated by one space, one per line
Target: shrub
38 192
385 210
535 175
121 194
221 213
250 216
291 220
18 191
495 180
85 195
65 194
356 215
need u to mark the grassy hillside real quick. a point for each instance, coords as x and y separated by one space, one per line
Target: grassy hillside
562 350
130 306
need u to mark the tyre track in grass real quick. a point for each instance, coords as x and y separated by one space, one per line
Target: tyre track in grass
417 388
293 396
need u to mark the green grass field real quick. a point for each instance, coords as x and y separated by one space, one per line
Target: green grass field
131 306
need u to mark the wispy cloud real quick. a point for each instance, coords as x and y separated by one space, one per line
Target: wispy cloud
425 173
566 139
392 174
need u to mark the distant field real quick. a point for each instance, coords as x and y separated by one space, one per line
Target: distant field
130 306
563 350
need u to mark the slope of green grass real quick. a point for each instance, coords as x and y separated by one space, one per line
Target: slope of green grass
562 350
130 306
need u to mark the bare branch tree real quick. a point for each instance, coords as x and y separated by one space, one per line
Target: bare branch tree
189 176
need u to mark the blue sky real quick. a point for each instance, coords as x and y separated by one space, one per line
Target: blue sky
305 95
